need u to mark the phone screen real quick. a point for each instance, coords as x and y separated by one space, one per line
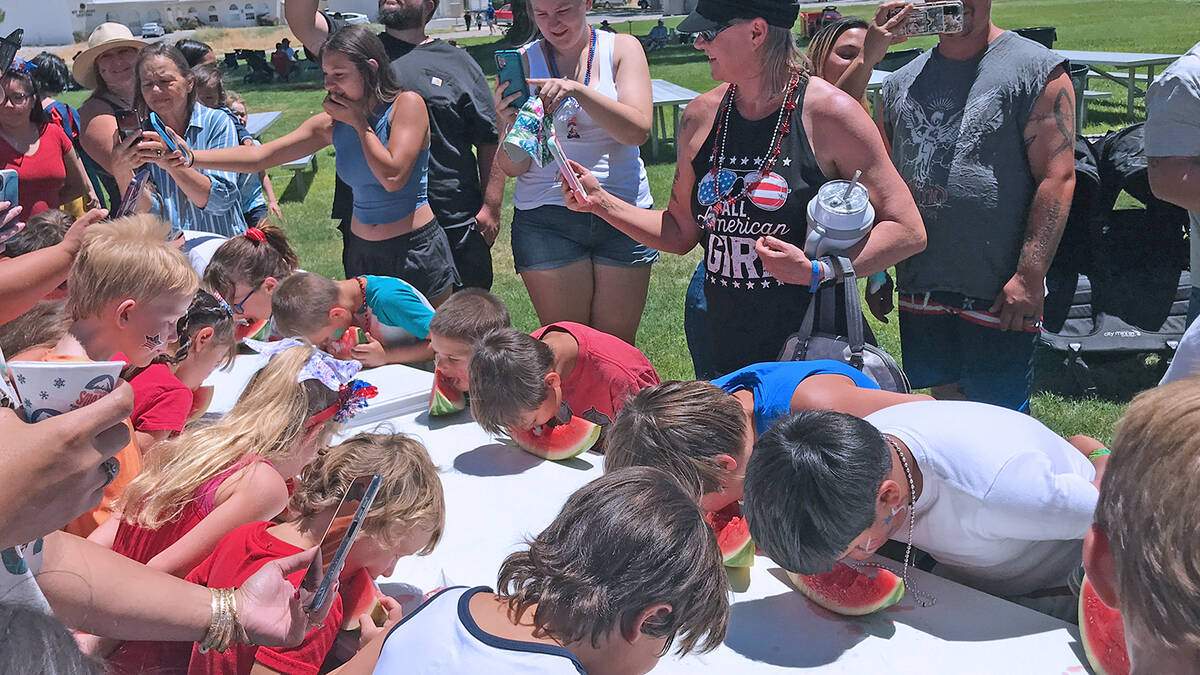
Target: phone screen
318 579
128 122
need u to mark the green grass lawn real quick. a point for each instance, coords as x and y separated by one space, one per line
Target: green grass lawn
1165 26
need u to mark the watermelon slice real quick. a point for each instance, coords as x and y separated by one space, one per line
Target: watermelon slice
733 536
259 330
343 347
361 596
201 399
848 592
559 442
444 399
1102 633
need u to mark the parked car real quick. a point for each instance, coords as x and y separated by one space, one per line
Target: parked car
152 30
355 17
504 15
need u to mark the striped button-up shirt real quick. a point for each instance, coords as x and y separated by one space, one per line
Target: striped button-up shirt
207 129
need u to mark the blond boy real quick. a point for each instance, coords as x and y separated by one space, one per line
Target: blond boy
393 314
1137 553
128 289
457 325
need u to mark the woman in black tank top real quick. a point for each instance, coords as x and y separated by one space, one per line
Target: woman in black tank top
751 156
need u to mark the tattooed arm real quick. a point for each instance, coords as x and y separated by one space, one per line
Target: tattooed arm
1050 147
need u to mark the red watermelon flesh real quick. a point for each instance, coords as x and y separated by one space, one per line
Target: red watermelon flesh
1102 633
733 536
848 592
259 330
361 596
342 348
559 442
201 399
444 399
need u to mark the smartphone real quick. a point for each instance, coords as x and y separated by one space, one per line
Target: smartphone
128 123
8 193
133 193
168 138
510 66
932 18
357 500
565 169
9 47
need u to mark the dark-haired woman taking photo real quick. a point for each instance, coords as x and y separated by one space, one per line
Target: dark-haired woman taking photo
381 135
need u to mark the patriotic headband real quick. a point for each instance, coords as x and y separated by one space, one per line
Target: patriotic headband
352 397
331 372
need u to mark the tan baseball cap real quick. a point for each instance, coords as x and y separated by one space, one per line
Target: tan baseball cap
105 37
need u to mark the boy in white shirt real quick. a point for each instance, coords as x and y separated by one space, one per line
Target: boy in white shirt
1001 502
597 592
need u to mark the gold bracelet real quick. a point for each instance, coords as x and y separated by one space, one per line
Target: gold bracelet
239 631
221 626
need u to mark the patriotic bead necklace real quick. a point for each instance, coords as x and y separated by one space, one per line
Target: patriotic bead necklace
783 126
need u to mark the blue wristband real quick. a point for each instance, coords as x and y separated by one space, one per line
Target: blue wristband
816 277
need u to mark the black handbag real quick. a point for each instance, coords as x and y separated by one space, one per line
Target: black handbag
823 341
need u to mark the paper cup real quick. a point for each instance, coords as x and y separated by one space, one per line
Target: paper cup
49 388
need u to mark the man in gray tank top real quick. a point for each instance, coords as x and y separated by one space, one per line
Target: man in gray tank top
982 129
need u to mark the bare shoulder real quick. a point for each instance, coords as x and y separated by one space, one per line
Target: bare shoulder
825 98
626 43
258 481
699 116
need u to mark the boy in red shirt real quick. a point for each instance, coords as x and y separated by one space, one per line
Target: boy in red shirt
563 369
406 518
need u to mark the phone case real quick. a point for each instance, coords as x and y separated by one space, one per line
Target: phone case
564 169
133 194
339 558
933 18
510 67
8 186
161 128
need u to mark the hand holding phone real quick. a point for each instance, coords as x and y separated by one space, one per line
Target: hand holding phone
510 68
128 123
566 171
315 587
8 193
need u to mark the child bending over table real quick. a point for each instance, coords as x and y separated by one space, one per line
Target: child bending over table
406 518
393 314
1137 553
563 606
998 500
459 323
128 288
562 370
163 392
245 270
703 433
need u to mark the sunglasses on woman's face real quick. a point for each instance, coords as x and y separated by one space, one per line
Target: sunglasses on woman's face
711 34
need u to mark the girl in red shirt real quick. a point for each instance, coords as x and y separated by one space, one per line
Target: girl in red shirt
49 171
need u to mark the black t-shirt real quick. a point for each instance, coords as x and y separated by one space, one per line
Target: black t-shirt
461 115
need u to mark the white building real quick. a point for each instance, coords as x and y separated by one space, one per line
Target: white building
46 22
218 13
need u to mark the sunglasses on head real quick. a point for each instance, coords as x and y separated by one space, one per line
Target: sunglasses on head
710 34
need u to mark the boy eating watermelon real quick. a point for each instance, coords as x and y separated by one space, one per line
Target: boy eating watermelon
460 322
998 500
563 605
1137 554
561 371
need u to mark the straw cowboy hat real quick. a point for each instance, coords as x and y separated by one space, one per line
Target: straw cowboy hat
106 36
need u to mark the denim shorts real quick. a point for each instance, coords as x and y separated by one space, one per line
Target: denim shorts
549 237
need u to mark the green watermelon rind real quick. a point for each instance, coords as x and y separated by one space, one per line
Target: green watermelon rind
440 403
845 610
583 445
1086 591
743 557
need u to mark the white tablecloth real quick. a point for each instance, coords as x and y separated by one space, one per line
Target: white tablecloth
497 495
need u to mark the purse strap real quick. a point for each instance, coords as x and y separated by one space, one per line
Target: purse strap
827 298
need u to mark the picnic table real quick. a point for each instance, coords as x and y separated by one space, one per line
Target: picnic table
666 95
1128 62
257 122
497 495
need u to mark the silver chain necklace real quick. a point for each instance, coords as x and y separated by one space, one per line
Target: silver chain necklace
922 599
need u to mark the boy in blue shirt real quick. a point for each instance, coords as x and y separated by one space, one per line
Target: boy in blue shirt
393 314
703 433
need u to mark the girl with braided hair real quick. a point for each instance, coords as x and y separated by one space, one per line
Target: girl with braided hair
164 392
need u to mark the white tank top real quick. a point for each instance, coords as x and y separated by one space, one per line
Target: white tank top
618 167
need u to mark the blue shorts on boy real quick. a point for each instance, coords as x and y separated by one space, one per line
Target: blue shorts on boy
396 313
773 384
442 637
1005 501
